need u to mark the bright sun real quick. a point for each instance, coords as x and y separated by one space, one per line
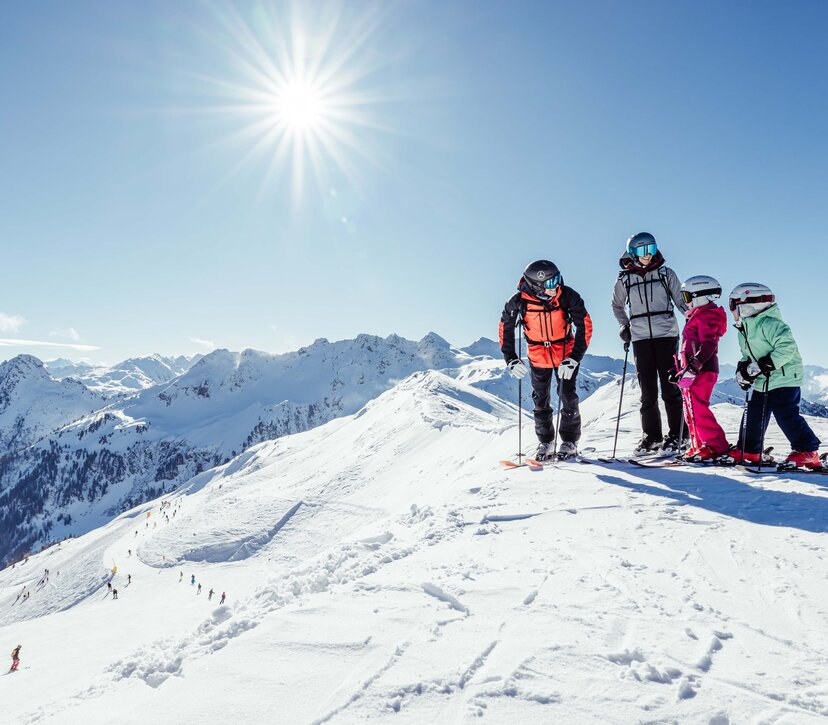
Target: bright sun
300 90
300 106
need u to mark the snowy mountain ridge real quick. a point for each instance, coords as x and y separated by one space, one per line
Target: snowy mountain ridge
70 467
127 377
132 448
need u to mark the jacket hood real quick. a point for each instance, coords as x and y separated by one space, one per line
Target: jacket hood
629 263
772 311
711 315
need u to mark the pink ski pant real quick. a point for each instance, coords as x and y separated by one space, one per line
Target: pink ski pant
702 425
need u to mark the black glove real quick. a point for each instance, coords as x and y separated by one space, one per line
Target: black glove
624 333
766 364
746 373
673 376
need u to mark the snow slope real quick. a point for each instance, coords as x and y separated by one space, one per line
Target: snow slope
135 448
383 567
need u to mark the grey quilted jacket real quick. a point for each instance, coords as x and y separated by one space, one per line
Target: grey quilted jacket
645 299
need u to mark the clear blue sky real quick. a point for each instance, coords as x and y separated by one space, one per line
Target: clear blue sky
462 141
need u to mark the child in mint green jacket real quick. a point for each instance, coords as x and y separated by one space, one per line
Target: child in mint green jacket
771 363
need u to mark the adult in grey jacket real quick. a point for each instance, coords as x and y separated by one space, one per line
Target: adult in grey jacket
643 302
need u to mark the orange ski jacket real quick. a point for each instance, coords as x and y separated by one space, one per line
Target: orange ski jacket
555 329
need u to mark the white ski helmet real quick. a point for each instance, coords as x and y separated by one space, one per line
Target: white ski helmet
750 298
700 290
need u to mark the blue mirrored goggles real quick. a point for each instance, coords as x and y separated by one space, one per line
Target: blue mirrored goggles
553 282
645 250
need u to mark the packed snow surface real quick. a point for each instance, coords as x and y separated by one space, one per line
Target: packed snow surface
385 568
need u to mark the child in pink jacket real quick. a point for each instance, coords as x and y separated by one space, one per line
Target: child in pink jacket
697 366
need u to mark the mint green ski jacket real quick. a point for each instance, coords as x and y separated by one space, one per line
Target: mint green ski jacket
767 334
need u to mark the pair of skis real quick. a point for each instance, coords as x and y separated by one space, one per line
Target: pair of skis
535 465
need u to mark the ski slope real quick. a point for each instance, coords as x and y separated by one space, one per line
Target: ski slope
384 568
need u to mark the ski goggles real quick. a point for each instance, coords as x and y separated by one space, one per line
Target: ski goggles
645 250
553 282
688 297
736 301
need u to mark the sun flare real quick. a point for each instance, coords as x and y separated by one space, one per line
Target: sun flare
300 106
300 92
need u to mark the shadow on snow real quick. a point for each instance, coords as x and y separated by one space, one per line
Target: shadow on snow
727 496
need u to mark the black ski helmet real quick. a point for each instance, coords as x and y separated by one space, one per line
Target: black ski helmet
642 239
541 273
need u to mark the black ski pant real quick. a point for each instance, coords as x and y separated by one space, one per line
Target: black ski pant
544 414
784 404
653 360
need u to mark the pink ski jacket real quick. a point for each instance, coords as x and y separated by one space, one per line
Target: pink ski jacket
700 339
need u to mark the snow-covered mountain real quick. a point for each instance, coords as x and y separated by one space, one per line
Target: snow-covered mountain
129 376
398 574
109 455
62 367
135 447
33 404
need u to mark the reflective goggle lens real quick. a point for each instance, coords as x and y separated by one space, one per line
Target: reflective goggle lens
645 250
735 302
687 296
553 282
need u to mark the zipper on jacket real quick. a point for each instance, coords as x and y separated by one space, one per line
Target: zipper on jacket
649 316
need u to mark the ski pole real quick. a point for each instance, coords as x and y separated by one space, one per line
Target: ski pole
621 398
743 425
558 378
558 415
685 408
520 402
764 422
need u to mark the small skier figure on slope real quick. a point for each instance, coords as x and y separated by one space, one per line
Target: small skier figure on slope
558 329
15 655
771 356
697 366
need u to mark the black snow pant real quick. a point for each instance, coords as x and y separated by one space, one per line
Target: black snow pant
653 360
544 414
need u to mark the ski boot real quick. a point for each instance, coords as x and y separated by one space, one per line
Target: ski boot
545 452
702 454
646 447
672 445
734 456
808 460
566 450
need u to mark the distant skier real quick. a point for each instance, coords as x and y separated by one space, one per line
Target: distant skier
223 596
129 578
698 366
210 595
15 655
114 593
192 580
643 299
558 329
199 588
180 576
771 356
109 586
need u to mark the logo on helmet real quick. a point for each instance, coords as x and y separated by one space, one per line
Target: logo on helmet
541 275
